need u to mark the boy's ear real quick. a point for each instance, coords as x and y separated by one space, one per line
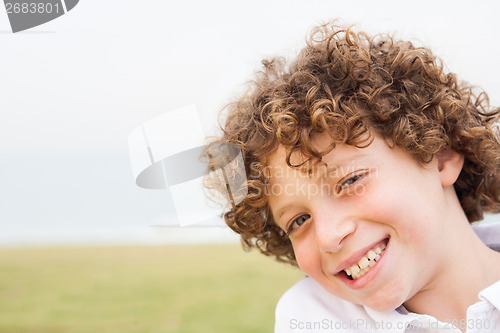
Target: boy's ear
450 165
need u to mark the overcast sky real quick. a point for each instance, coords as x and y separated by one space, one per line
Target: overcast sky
73 89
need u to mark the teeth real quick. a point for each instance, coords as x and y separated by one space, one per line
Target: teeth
364 264
371 254
354 270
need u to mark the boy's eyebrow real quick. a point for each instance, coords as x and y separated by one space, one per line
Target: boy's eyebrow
347 164
282 210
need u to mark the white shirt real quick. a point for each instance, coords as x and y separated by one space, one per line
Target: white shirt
307 307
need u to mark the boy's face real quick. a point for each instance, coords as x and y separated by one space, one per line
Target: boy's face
371 198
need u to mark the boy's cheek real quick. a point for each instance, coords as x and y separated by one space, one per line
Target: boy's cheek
310 262
305 259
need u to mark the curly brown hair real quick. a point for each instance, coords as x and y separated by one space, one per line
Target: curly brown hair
351 86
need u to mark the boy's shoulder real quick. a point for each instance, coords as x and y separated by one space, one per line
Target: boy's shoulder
489 232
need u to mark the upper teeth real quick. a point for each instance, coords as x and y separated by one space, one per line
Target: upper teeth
365 263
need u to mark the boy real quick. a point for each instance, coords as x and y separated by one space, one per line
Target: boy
366 164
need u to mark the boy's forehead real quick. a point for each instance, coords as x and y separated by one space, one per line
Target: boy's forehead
340 159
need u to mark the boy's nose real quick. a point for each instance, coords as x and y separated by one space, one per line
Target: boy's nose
332 231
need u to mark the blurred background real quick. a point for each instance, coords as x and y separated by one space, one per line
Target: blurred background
82 247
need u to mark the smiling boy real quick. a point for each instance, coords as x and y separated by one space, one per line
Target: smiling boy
398 158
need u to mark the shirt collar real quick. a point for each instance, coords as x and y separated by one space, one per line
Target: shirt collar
491 294
399 320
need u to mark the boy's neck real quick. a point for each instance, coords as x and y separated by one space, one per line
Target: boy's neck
470 267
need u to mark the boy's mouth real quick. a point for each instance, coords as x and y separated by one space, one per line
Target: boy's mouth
366 263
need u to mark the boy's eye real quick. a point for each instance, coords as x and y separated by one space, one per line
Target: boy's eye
348 182
298 222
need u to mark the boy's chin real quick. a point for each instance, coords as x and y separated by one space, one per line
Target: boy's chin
384 307
384 304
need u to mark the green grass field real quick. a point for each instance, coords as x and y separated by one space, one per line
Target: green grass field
205 288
